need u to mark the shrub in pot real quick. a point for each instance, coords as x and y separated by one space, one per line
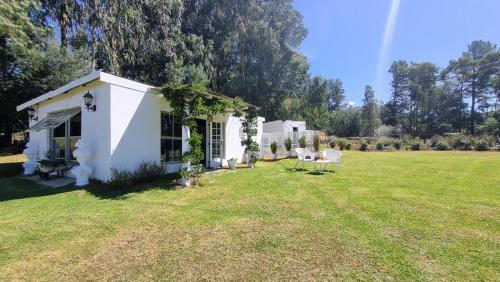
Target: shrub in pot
316 142
231 163
288 145
316 146
302 141
274 148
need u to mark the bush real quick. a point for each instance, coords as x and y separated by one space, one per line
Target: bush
380 146
341 143
386 142
332 144
302 141
442 146
482 145
397 144
415 146
288 144
316 143
363 146
145 172
274 147
347 146
434 140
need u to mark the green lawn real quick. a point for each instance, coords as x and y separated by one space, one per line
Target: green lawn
385 216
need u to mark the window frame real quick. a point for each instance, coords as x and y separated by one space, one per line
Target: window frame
172 137
67 139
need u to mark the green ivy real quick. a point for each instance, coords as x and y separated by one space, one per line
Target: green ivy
192 101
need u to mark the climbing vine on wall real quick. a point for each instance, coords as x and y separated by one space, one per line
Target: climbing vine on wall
249 121
190 102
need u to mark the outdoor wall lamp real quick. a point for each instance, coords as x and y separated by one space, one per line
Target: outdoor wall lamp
88 98
32 113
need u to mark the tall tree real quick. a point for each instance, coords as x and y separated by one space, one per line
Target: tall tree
336 94
477 75
31 63
369 113
396 108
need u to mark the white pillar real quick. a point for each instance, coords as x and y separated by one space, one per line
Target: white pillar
31 153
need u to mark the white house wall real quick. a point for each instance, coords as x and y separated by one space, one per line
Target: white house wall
273 126
136 128
290 124
95 125
234 149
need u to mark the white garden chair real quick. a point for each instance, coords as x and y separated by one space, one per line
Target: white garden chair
333 157
303 156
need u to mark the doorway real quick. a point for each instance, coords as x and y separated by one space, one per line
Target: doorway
201 126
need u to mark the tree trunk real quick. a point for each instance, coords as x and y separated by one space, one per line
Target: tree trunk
473 110
64 23
94 34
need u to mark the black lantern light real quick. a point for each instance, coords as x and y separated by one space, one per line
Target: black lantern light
88 98
32 113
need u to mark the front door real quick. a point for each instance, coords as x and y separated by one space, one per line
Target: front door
201 126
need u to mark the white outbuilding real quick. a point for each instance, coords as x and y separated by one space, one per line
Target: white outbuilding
120 124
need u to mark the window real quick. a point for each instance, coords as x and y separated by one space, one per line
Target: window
64 137
216 140
171 139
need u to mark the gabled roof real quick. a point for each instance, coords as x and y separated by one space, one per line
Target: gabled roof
104 77
96 75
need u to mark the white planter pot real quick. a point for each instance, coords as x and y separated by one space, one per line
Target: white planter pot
231 164
274 156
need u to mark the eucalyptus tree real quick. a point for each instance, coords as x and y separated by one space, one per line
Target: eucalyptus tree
31 63
336 94
422 88
395 110
369 113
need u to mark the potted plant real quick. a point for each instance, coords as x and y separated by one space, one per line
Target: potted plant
288 146
302 141
316 146
231 163
274 148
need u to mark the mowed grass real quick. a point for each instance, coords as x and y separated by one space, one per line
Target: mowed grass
384 216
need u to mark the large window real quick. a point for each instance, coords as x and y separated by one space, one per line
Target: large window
64 137
171 139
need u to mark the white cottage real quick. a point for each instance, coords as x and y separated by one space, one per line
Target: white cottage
128 123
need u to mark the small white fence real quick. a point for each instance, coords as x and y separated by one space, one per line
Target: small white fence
280 137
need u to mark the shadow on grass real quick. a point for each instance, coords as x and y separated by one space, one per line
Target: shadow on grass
10 169
105 192
13 188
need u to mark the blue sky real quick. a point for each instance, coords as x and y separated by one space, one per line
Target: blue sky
346 36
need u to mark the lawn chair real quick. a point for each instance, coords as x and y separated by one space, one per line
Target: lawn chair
303 156
333 157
